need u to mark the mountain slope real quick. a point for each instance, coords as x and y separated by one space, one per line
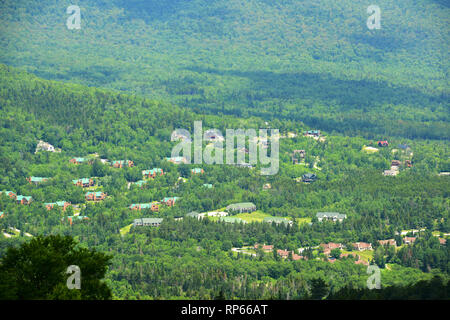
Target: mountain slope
311 61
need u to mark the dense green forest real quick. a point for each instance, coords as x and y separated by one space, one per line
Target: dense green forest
82 121
310 61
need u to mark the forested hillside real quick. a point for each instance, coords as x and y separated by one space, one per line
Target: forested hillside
310 61
187 258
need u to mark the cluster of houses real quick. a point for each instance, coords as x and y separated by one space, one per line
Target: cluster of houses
114 163
395 167
154 206
18 198
327 248
330 216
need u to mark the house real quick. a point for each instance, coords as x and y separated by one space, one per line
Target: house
24 199
208 185
37 180
242 207
277 220
389 242
154 206
170 201
444 174
312 133
145 222
409 240
283 253
79 160
197 171
122 163
265 248
408 163
10 194
364 262
61 204
442 241
95 196
309 177
84 182
2 214
267 186
334 216
79 218
301 154
383 143
362 246
327 247
177 160
152 173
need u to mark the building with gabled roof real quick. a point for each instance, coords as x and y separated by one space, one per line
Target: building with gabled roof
334 216
10 194
242 207
147 222
170 201
197 171
37 180
61 204
278 220
361 246
80 160
177 160
388 242
83 182
154 206
152 173
79 218
122 163
24 199
95 196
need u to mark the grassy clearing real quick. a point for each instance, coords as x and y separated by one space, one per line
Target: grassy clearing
125 230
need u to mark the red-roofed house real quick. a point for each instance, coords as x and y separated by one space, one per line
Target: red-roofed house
327 247
389 242
265 248
283 253
442 241
361 246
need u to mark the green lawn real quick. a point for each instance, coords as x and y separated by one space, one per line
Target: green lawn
125 230
256 216
366 255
